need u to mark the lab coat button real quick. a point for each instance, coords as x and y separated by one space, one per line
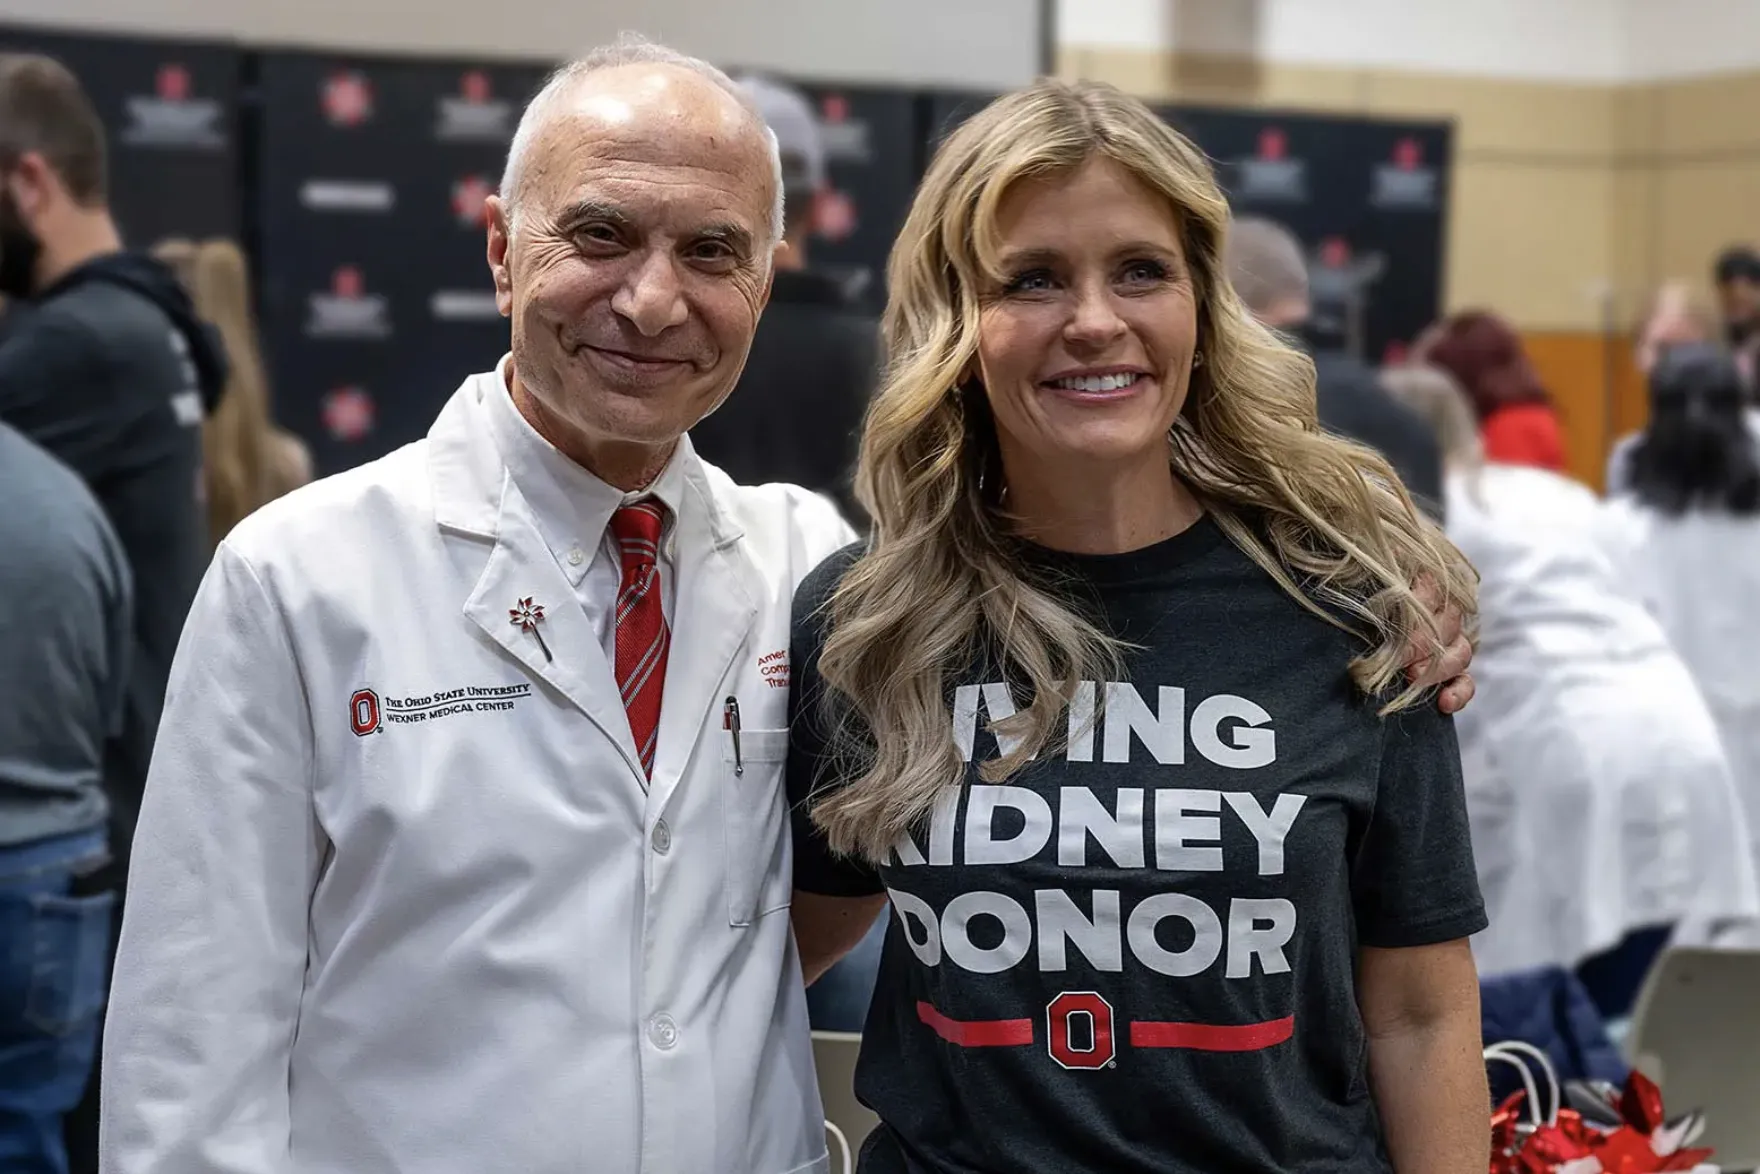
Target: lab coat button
664 1032
576 557
662 838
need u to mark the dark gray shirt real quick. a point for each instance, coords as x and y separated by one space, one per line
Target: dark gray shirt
1138 955
66 614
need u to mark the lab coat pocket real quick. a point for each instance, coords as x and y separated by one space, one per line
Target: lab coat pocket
754 815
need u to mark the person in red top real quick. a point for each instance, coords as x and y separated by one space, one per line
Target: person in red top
1517 422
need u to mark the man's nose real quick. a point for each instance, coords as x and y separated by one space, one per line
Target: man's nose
651 297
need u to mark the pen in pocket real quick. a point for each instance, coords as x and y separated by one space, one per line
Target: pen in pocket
730 722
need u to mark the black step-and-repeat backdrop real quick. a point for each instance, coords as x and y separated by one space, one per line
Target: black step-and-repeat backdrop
359 188
1367 198
171 108
376 296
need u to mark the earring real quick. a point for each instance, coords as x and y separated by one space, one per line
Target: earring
1197 359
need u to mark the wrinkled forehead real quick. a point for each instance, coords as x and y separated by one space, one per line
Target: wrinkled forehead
665 158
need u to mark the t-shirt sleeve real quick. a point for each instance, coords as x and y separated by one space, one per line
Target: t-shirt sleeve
813 768
1414 880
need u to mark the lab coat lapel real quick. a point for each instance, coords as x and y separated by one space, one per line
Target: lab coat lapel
716 602
521 567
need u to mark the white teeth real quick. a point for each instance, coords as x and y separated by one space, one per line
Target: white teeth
1095 382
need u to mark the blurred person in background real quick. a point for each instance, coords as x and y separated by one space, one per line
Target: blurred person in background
799 403
1736 274
1604 812
1269 271
247 461
1672 318
108 368
1688 537
65 635
1517 422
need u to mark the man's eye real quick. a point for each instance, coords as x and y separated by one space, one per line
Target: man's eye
713 252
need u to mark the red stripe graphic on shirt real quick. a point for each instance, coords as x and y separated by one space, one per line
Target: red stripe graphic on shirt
977 1033
1208 1037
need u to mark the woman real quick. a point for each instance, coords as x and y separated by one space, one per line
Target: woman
249 462
1603 809
1671 318
1485 356
1688 537
1116 556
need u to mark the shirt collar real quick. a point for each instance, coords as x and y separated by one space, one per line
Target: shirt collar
570 506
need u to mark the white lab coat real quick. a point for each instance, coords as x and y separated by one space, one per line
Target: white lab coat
1599 797
1700 575
472 942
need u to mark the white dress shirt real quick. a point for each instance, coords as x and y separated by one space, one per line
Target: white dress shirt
573 510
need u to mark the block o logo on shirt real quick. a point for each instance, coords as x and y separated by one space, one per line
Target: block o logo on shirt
363 712
1079 1030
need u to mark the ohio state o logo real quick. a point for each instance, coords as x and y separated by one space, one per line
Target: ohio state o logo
1079 1030
363 712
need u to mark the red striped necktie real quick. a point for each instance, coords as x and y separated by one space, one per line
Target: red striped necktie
642 637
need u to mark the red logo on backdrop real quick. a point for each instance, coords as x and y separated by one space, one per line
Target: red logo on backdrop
348 98
474 86
1395 354
1273 143
834 214
348 414
1335 252
173 82
468 196
347 282
1408 154
835 107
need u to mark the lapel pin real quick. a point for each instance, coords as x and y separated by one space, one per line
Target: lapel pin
526 617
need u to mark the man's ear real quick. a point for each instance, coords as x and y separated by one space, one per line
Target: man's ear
29 183
499 218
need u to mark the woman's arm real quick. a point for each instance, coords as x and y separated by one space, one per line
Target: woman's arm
827 928
1420 1007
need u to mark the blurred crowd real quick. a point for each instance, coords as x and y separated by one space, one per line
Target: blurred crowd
1612 755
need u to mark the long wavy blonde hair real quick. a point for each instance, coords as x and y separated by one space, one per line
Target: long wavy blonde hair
247 460
941 581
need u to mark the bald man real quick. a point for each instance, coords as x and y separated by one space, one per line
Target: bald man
1269 272
464 845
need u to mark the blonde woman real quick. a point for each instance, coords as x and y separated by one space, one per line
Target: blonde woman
1189 888
248 461
1605 816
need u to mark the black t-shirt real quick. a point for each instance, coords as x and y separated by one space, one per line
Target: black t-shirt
1139 954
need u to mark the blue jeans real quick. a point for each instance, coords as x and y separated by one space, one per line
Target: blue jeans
54 971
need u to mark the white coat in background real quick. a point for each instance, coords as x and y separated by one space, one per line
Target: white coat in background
401 902
1699 574
1600 799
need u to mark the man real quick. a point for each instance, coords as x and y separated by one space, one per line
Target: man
107 368
1267 270
103 363
1737 276
798 408
65 620
464 847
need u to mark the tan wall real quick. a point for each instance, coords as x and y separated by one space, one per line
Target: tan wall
1570 202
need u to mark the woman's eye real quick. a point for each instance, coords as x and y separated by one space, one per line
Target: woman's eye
1145 272
1033 281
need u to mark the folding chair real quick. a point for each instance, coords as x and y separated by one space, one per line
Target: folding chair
1696 1032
